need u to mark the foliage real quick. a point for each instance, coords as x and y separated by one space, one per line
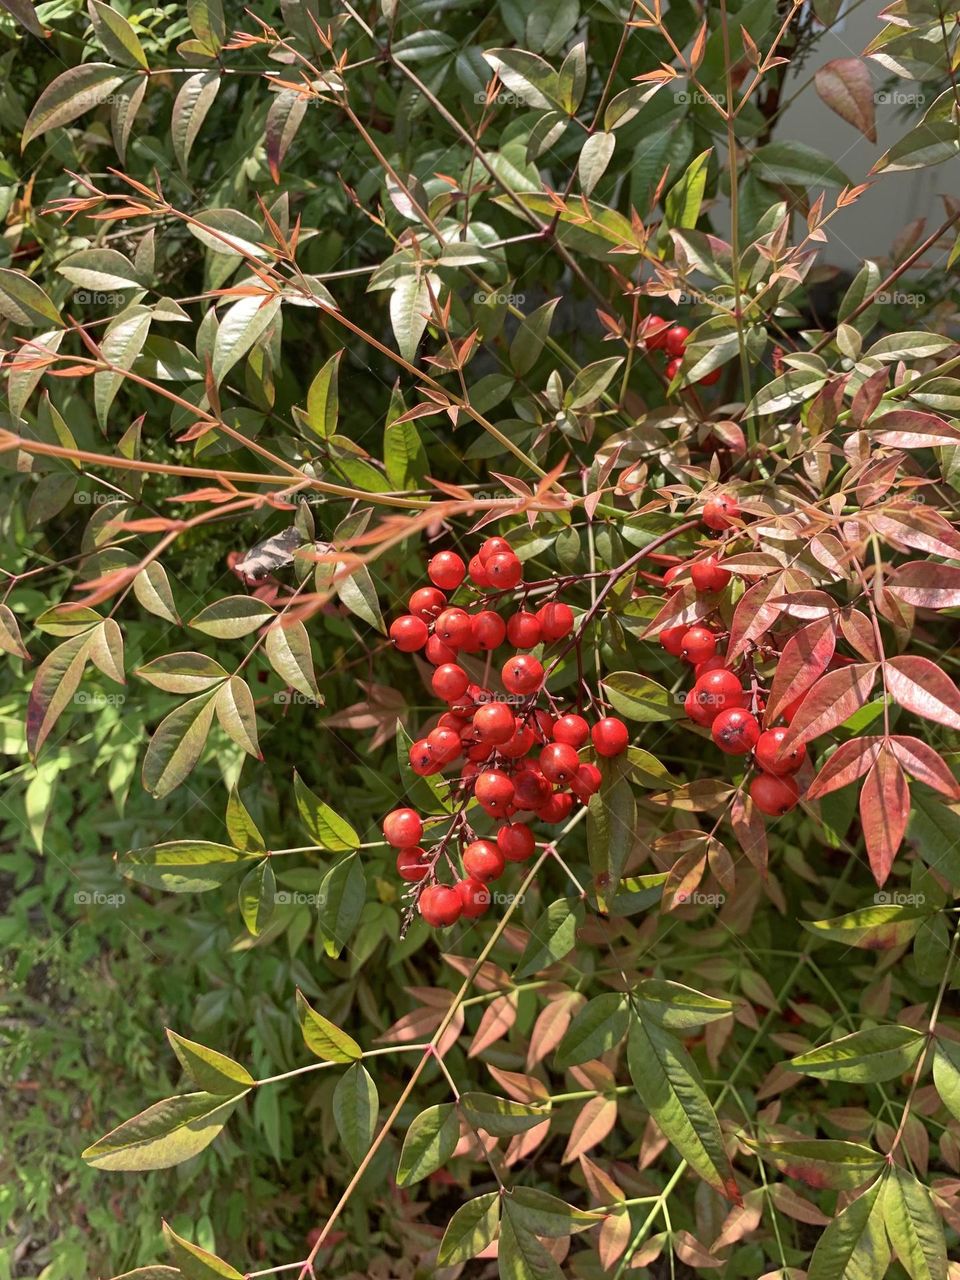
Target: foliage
292 299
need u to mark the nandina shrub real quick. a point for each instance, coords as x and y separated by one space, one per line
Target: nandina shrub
423 351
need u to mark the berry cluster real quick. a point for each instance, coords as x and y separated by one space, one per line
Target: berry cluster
671 339
718 700
508 754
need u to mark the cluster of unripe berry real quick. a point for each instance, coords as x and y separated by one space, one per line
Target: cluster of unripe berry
671 339
513 757
718 700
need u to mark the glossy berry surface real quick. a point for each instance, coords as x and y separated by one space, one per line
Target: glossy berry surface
427 603
721 689
708 574
571 729
494 547
735 731
483 859
522 675
675 340
559 762
474 897
489 630
446 570
610 736
504 570
523 630
495 722
403 828
449 681
440 905
774 796
698 645
720 513
655 333
671 640
412 864
454 627
516 841
767 753
495 791
556 621
408 633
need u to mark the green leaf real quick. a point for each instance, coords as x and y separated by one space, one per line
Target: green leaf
105 269
196 97
232 617
242 324
877 928
530 337
183 672
638 697
70 95
595 1029
869 1056
676 1007
177 745
211 1071
591 382
324 1040
470 1230
546 1215
54 685
501 1117
146 1273
25 304
684 199
552 937
257 897
410 307
165 1134
10 640
797 165
820 1162
521 1256
914 1228
787 391
934 830
527 75
611 823
237 714
152 589
322 824
854 1245
288 651
595 156
946 1074
934 140
208 23
284 118
359 595
356 1105
323 400
182 866
228 232
241 828
343 894
429 1143
669 1085
196 1263
121 345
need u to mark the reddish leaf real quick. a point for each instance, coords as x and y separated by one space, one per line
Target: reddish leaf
684 608
870 393
919 685
751 831
884 810
833 699
850 761
920 528
858 632
927 586
923 763
754 614
910 429
805 658
846 86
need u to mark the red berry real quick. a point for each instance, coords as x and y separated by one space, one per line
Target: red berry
438 653
708 574
543 723
478 573
774 796
480 751
516 842
449 682
412 864
427 603
672 640
402 828
450 721
720 689
717 663
474 897
791 709
673 572
483 860
454 627
571 729
654 332
522 675
720 513
700 712
495 791
556 621
422 760
440 905
559 762
699 644
446 570
495 722
735 731
673 367
768 756
531 789
504 570
557 808
444 744
494 547
587 782
675 340
610 736
489 629
408 633
710 378
523 630
518 745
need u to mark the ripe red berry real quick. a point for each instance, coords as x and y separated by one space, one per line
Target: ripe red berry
444 744
543 723
708 574
437 652
483 860
412 864
717 663
654 332
587 781
519 744
409 633
768 755
422 760
489 629
675 340
402 828
571 729
494 547
556 621
494 722
522 674
427 603
699 644
557 808
495 791
673 572
710 378
672 640
454 627
450 721
720 513
523 630
774 796
791 709
559 762
699 711
504 570
474 897
735 731
446 570
610 736
449 682
515 841
721 689
531 789
673 367
480 751
440 905
478 573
